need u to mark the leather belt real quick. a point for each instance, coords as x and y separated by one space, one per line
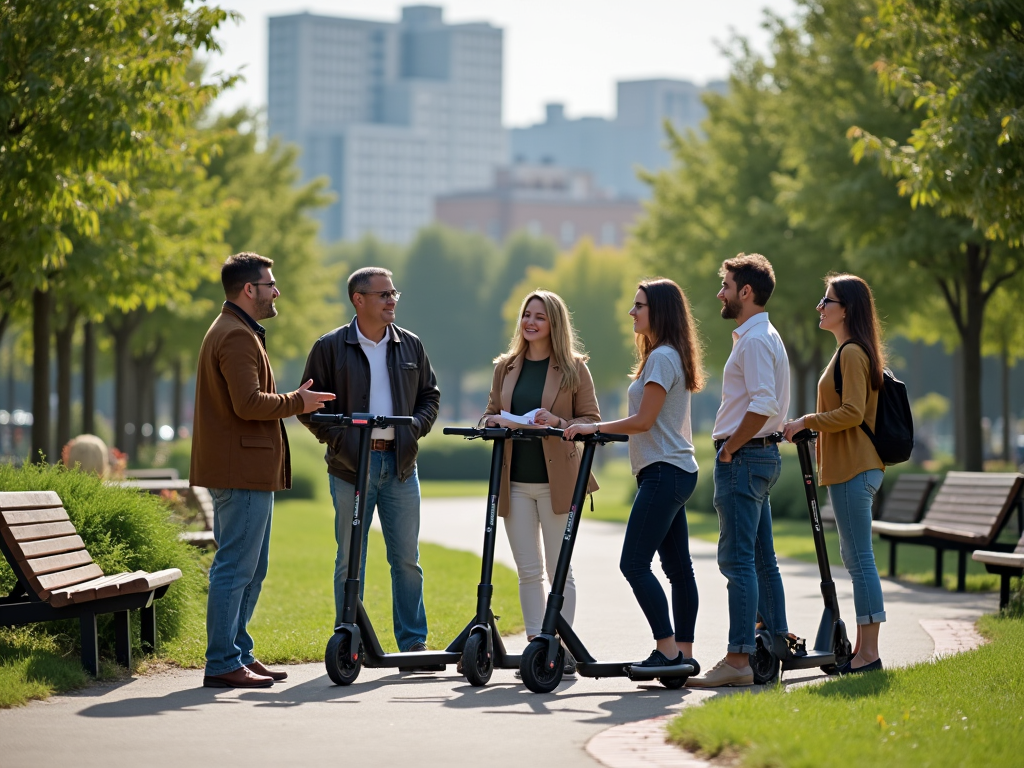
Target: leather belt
382 445
756 442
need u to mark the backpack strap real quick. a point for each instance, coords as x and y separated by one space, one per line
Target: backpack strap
837 373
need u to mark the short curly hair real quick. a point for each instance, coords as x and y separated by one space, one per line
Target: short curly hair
754 270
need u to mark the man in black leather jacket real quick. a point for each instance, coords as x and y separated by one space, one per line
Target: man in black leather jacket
373 366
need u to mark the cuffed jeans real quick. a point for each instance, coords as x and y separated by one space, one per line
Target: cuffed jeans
852 504
241 526
657 523
746 551
399 507
529 519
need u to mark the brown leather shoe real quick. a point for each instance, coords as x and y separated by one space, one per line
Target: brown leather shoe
259 669
239 678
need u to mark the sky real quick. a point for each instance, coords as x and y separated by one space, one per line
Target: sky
568 51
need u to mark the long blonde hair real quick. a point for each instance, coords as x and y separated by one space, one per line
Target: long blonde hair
566 347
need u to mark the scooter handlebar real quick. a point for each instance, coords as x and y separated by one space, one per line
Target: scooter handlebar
803 435
364 420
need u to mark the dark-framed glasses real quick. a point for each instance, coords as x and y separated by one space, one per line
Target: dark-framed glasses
825 301
385 295
272 284
638 305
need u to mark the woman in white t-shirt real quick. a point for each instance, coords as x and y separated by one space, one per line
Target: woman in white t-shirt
668 370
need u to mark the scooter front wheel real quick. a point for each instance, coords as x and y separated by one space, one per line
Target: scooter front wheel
763 662
477 664
343 664
537 676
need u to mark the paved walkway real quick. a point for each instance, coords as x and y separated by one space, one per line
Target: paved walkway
389 719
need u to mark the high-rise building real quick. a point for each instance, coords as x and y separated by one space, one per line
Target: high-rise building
393 114
613 150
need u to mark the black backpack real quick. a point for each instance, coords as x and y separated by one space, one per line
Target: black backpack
893 437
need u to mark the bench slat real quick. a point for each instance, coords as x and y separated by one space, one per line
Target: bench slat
61 597
28 499
114 586
83 593
145 582
53 581
63 562
25 516
45 547
19 533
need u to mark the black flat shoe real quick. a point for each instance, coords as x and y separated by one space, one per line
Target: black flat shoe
659 659
874 666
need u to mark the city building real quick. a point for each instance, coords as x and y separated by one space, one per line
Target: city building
393 114
613 150
544 200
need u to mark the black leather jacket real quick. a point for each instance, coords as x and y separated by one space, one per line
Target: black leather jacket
337 364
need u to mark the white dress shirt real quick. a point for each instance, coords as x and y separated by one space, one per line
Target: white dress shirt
380 381
756 378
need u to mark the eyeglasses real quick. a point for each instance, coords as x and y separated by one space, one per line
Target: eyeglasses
638 305
385 295
272 283
825 301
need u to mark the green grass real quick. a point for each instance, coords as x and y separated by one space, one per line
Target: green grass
965 710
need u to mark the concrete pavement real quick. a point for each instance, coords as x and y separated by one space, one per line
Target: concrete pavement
386 718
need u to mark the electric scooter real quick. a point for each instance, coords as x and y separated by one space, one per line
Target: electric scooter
541 666
354 642
480 643
831 646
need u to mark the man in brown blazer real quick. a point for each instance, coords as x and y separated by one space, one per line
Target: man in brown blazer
240 452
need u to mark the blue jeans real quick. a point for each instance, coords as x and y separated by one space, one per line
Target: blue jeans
746 551
399 507
852 504
241 526
657 523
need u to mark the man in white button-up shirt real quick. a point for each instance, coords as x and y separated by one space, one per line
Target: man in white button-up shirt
755 399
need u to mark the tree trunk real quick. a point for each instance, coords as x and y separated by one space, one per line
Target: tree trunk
956 361
124 389
5 319
1007 411
65 337
974 315
176 397
40 376
89 380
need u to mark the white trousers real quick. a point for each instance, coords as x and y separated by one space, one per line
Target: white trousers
529 519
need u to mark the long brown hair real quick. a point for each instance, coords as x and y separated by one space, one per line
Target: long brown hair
861 320
672 324
566 347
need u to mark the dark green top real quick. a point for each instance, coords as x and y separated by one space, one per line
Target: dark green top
528 455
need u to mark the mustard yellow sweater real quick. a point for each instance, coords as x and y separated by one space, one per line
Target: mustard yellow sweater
844 450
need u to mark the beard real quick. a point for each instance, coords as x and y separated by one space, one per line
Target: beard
264 308
731 309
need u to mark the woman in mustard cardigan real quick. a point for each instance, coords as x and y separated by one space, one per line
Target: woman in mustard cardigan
544 368
847 462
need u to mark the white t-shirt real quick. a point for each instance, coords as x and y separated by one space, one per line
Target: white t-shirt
671 438
380 381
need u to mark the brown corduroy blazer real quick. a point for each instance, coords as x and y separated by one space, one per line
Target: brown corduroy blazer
563 458
238 438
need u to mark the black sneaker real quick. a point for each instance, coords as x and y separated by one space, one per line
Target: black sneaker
659 659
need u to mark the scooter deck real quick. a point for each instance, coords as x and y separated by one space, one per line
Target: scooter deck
631 670
811 660
433 661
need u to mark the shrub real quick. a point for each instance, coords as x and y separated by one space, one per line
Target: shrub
443 457
124 530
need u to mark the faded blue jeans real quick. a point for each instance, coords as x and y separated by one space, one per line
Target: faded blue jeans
399 507
746 550
852 504
241 526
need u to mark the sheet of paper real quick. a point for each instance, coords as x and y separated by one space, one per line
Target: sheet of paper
526 418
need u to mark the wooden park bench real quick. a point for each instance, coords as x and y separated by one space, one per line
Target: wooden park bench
967 514
156 481
1006 564
57 578
904 503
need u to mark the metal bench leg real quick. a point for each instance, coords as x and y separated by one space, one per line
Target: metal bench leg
892 559
148 618
961 571
1004 589
90 644
938 566
122 640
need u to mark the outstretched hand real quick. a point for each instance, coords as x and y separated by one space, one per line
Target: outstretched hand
311 400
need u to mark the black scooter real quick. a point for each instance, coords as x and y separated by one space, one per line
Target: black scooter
542 662
831 646
480 643
354 642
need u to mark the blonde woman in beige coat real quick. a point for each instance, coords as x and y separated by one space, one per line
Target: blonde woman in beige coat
544 368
